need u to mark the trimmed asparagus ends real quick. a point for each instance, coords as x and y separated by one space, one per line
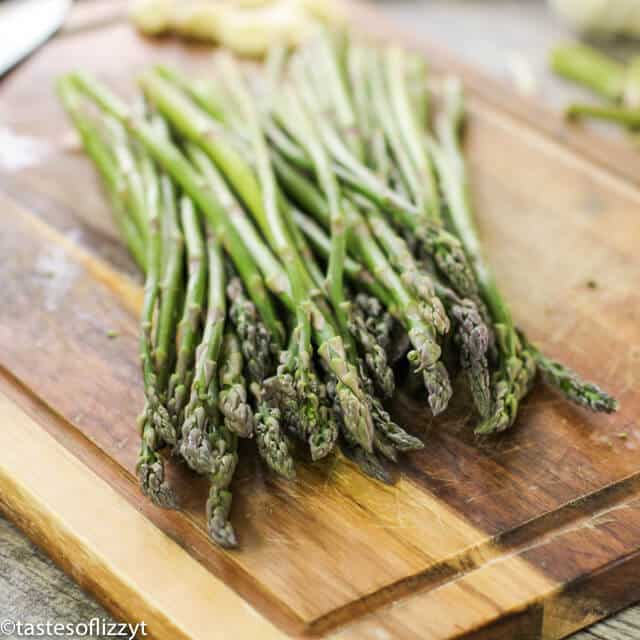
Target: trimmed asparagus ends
302 231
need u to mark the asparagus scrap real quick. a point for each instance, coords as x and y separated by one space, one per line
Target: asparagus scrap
617 83
299 236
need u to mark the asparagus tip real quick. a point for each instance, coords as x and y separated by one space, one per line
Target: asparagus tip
153 484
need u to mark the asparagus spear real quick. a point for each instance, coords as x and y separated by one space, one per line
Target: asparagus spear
585 394
412 180
328 73
298 102
188 331
408 111
102 156
152 421
201 428
170 292
218 509
372 352
379 319
426 352
321 243
419 282
272 444
275 279
132 179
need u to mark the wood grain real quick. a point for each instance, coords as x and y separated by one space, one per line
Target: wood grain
505 536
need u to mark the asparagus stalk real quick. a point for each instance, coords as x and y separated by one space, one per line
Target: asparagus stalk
419 282
275 279
628 117
569 383
321 243
188 331
393 133
372 352
411 122
201 413
328 73
218 509
298 102
131 177
169 297
150 467
356 71
590 68
471 335
103 159
272 444
152 422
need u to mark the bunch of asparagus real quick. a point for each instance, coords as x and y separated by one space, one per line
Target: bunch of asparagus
297 225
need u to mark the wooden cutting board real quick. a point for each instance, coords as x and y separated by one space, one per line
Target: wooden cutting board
532 535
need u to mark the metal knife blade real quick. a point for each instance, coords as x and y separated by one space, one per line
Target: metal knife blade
25 25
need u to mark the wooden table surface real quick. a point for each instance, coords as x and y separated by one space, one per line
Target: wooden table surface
510 39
